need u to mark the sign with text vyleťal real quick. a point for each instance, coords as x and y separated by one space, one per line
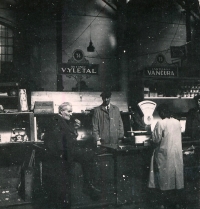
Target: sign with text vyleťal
78 68
161 71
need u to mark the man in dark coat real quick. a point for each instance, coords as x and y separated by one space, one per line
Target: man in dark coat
192 128
61 144
107 122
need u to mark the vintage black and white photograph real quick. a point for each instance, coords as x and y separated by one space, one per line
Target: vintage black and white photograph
100 104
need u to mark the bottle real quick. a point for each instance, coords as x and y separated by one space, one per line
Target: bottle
146 92
131 119
23 104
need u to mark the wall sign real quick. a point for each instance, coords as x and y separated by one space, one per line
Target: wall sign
160 58
160 68
78 55
78 65
81 69
161 71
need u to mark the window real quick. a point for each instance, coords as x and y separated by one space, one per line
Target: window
6 44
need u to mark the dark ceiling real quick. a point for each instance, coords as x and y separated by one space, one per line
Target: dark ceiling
143 6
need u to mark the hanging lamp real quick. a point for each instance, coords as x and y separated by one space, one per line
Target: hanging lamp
90 48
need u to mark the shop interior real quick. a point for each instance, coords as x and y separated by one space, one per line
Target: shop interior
53 51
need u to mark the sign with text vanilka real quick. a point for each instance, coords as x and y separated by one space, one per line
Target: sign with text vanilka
78 68
161 71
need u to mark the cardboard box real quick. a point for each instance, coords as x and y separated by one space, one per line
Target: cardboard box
43 107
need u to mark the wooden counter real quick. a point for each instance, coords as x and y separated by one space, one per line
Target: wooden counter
19 173
122 172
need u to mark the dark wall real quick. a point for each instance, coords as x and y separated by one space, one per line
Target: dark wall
126 39
96 20
52 30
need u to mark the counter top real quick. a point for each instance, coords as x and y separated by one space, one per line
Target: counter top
20 143
123 147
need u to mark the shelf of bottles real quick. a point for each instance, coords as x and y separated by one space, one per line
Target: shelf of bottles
171 89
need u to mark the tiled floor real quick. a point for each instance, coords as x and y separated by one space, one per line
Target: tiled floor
131 206
192 199
142 199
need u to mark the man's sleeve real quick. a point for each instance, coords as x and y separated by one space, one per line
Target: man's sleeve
95 125
188 125
157 133
121 127
53 139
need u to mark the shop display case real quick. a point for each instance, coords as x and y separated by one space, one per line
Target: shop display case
19 164
16 127
9 95
169 88
176 92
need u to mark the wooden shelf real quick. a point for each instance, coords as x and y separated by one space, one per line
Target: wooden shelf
8 97
27 142
168 98
9 84
6 100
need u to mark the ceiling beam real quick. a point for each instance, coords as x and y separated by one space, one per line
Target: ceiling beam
192 12
111 5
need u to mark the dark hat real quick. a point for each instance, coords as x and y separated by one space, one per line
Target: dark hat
164 111
106 94
162 106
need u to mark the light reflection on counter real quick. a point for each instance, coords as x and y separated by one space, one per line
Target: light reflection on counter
81 135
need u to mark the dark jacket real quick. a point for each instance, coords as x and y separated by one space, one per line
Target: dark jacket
60 138
108 126
192 127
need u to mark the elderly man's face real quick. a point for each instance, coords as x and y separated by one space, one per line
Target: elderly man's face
66 112
106 100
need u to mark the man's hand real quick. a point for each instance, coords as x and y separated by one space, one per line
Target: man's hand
77 124
121 139
1 108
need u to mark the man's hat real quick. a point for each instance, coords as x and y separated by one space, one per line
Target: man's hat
106 94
